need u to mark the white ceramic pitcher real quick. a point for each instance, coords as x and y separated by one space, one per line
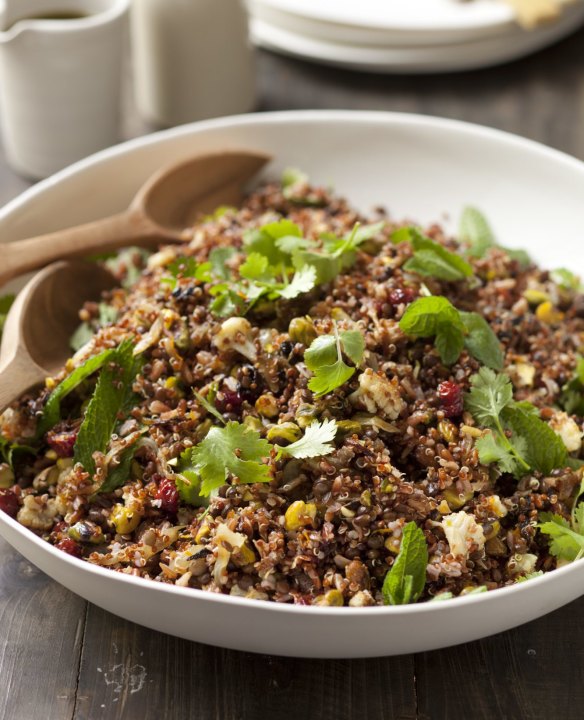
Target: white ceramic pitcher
59 80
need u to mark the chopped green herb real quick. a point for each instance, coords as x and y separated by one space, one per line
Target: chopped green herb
235 449
187 267
112 398
432 259
529 576
435 316
315 443
52 411
475 231
405 581
324 358
129 262
533 445
481 341
209 406
567 538
572 396
219 212
566 279
264 241
120 473
218 257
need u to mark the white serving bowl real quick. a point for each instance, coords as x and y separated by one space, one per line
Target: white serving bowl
422 168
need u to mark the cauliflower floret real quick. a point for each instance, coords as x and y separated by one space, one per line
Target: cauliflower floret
495 504
568 430
462 532
522 564
235 334
377 393
522 374
37 513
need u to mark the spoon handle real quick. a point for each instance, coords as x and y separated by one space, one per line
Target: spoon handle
129 228
18 375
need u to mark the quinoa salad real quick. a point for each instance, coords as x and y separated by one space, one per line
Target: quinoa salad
304 405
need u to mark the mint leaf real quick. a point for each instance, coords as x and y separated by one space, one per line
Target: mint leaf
481 341
236 449
52 410
315 443
544 449
476 232
435 316
432 259
119 474
406 580
113 396
572 395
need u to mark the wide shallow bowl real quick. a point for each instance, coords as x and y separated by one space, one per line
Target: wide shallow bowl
420 167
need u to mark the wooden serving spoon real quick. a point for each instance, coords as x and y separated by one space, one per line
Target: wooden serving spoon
35 342
161 212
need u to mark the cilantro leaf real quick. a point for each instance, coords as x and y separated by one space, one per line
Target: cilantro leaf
112 397
302 281
263 240
533 444
315 443
405 581
330 377
236 449
327 266
481 341
187 267
209 405
227 302
324 359
432 259
188 481
218 258
490 394
566 543
255 267
52 410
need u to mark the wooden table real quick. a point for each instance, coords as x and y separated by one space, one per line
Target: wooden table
63 658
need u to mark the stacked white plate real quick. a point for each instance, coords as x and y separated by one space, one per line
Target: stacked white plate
403 36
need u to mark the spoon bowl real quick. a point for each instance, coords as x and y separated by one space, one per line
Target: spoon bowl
35 342
162 211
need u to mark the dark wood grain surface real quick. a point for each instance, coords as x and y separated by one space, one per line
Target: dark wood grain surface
62 658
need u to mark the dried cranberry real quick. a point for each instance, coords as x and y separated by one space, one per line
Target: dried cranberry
228 401
402 295
62 441
451 399
168 496
70 547
9 502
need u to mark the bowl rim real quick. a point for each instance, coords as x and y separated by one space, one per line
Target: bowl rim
283 117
